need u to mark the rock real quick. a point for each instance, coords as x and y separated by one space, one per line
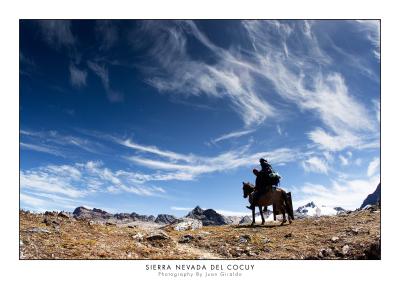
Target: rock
138 237
266 240
158 235
186 239
289 235
165 219
234 253
50 222
353 231
345 249
132 226
64 215
335 239
38 230
325 253
244 239
208 217
185 224
374 251
110 224
339 210
48 213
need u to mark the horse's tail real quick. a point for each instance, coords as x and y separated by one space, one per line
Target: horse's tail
287 197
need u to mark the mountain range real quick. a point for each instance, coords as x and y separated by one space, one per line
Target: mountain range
210 217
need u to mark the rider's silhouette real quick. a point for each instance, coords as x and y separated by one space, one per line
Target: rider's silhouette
261 181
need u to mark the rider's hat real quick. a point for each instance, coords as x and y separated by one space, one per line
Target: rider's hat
263 160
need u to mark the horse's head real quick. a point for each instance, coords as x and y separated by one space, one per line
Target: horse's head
247 189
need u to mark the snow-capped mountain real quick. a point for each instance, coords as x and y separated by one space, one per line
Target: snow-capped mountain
311 209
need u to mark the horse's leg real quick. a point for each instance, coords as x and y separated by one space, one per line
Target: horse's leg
253 211
262 215
287 208
283 213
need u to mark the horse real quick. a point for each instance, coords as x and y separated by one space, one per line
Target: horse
277 197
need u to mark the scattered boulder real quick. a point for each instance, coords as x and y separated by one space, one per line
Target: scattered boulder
335 239
289 235
48 213
244 239
323 253
138 237
345 249
64 215
185 224
38 230
186 239
157 236
373 252
50 222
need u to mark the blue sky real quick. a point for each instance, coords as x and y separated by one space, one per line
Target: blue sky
161 116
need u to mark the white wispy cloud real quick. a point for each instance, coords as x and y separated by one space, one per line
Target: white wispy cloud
346 193
71 184
335 142
373 167
343 160
102 72
178 72
315 164
234 134
57 33
77 76
153 150
181 209
188 167
297 80
40 148
304 76
56 143
107 32
372 30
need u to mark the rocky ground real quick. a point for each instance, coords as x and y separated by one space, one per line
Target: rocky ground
352 235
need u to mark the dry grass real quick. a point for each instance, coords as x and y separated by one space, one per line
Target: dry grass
358 237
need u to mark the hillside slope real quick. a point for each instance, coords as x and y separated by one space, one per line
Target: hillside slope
355 235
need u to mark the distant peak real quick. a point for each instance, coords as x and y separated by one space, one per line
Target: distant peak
310 205
198 209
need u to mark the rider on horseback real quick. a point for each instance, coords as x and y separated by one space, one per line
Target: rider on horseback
262 181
